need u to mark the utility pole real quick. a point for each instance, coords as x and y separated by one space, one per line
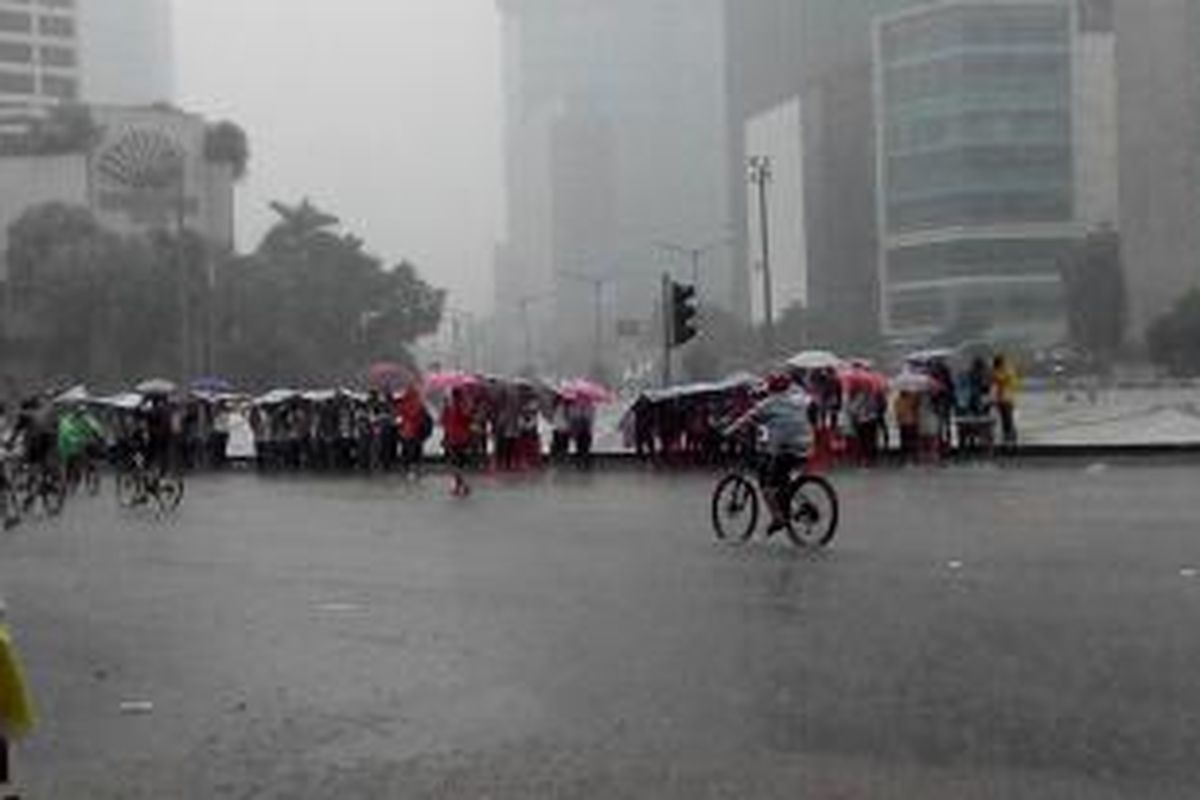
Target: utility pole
695 254
668 324
760 175
185 313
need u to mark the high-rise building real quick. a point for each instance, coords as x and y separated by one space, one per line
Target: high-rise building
1158 69
975 117
805 66
39 54
951 150
615 135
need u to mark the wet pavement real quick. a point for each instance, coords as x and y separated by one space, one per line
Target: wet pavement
974 633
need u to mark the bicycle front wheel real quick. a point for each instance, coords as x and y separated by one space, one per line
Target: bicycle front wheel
813 511
169 492
734 509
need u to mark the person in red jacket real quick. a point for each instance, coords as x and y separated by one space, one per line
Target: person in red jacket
456 439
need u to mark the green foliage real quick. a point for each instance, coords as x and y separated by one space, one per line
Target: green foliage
102 305
310 306
226 143
1174 338
1096 298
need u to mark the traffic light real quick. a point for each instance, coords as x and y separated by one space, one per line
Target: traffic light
683 313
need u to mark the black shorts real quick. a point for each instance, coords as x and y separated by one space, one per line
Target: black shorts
776 471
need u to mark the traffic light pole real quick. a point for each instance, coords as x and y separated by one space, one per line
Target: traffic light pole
668 324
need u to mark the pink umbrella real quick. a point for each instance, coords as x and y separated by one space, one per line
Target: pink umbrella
448 381
388 375
588 391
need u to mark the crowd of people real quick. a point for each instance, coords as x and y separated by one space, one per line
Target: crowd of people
856 415
931 408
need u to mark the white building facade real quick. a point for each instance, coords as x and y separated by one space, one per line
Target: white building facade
40 60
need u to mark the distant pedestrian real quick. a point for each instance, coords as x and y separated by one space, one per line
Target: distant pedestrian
456 440
1006 384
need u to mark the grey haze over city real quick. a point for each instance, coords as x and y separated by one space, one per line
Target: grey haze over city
387 111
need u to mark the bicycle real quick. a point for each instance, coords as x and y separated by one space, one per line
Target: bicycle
810 504
137 484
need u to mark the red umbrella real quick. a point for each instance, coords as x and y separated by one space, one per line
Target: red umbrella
448 381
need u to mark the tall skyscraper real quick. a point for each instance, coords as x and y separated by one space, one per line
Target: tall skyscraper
976 145
1158 58
615 140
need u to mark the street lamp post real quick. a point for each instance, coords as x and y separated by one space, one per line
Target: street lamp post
597 283
695 254
760 174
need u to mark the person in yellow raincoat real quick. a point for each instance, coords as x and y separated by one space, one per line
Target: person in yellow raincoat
1006 384
16 707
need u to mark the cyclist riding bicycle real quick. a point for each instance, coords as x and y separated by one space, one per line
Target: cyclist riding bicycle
79 438
784 420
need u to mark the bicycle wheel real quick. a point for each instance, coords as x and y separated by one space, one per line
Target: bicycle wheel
734 508
169 492
129 488
813 511
53 491
91 480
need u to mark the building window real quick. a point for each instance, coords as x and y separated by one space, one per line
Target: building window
15 53
59 87
62 27
15 22
17 83
59 57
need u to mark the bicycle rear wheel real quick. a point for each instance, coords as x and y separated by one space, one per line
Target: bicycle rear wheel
169 492
734 508
52 489
813 511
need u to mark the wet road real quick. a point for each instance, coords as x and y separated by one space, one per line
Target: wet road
975 633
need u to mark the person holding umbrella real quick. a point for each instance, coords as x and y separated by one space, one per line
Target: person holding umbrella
456 439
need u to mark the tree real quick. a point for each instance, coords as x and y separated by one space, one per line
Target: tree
312 305
226 143
1093 279
103 306
1174 338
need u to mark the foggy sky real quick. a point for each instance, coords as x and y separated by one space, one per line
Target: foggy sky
385 112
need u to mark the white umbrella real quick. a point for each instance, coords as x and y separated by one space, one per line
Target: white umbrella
930 356
76 394
127 401
909 381
815 359
156 386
